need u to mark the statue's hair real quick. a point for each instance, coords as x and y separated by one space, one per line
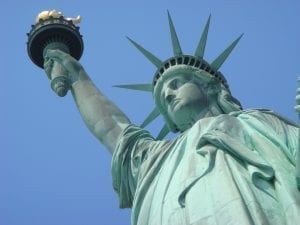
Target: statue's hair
227 102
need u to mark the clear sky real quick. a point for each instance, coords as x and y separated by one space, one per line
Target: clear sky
52 170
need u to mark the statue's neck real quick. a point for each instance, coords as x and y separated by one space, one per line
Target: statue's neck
212 110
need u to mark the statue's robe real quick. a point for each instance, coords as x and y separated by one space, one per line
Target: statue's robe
236 168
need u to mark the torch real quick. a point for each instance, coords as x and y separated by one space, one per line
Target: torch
54 31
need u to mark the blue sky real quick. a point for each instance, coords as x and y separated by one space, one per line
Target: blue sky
52 170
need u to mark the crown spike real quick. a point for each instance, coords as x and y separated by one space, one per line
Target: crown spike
175 42
138 87
218 62
202 43
163 132
157 62
152 116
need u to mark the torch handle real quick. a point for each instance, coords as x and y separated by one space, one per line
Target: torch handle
59 81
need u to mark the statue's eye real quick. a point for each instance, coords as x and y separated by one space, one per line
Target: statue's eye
174 84
177 83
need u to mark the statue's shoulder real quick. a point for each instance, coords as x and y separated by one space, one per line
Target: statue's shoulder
263 113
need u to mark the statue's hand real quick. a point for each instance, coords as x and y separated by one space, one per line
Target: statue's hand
70 64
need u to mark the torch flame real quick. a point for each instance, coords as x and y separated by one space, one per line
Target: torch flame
44 15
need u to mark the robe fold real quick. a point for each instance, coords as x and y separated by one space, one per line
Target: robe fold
236 168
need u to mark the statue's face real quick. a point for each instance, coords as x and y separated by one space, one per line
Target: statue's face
184 100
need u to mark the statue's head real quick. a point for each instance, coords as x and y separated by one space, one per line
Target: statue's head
184 93
185 85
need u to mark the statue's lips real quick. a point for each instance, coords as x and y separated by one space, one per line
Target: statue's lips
174 102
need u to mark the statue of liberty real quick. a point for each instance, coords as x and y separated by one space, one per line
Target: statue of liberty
228 165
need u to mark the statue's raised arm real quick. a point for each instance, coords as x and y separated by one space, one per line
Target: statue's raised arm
55 44
104 119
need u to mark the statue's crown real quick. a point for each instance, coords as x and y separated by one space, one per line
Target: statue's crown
172 65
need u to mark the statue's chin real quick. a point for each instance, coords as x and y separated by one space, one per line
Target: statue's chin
182 120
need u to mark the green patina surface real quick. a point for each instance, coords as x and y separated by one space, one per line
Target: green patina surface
228 165
229 169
